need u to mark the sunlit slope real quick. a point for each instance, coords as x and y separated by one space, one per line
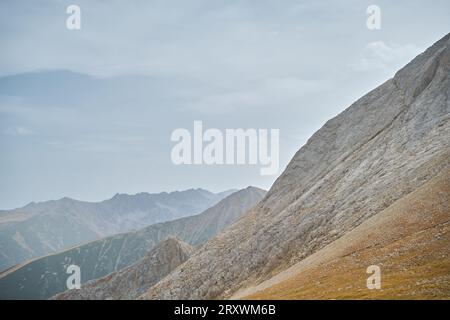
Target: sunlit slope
409 240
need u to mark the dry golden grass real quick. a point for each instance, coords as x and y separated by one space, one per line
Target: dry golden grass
410 241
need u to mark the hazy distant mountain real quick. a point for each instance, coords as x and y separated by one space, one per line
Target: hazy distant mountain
386 145
42 228
35 86
46 276
131 282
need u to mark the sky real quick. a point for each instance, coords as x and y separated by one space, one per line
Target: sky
89 113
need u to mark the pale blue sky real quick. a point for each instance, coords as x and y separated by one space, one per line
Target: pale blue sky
89 113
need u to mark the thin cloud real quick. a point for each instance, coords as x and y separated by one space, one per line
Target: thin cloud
379 55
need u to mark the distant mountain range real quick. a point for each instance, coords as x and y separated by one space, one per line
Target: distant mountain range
42 228
85 89
46 276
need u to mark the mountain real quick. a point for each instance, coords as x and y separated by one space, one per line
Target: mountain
34 87
44 277
409 241
42 228
131 282
384 146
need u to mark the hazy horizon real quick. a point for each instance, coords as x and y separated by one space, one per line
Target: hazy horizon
133 194
87 114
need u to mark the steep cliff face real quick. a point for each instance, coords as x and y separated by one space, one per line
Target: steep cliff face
134 280
384 146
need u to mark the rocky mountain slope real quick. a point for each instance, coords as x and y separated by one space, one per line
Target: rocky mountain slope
384 146
44 277
131 282
42 228
409 241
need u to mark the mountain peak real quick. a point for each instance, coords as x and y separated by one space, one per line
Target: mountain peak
423 69
172 246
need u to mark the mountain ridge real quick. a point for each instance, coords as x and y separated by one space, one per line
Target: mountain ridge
38 229
45 277
384 146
